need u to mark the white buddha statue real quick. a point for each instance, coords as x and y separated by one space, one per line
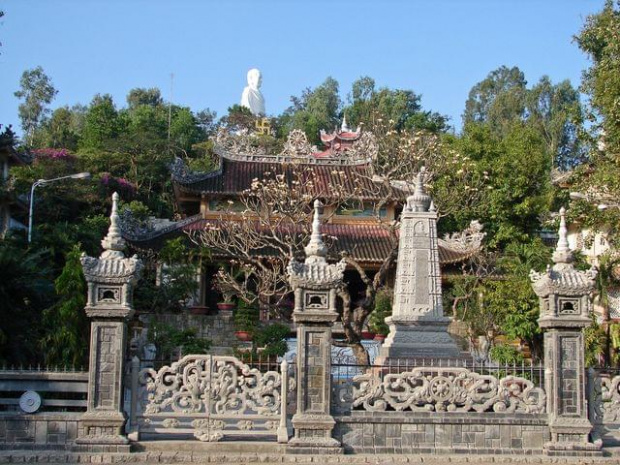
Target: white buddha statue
252 97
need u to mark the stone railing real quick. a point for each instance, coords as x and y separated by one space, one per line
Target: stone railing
210 397
449 389
603 402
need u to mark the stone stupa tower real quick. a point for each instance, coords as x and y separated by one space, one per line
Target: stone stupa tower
418 327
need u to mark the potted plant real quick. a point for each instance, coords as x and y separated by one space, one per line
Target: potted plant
226 304
368 334
383 309
246 319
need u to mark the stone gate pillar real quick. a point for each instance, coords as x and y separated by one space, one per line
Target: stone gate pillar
564 311
314 283
110 279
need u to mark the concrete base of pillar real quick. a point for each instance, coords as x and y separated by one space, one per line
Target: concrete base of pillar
419 339
313 434
102 428
571 437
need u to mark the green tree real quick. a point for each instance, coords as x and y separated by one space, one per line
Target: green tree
502 100
61 130
401 109
316 109
66 338
556 112
498 99
36 91
102 123
140 96
512 297
601 82
25 288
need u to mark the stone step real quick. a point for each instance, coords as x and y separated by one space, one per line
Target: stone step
179 454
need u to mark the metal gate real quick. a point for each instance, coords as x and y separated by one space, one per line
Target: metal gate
209 397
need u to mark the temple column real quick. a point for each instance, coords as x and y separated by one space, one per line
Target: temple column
564 312
110 279
418 327
314 283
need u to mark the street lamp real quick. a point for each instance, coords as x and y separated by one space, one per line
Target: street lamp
43 183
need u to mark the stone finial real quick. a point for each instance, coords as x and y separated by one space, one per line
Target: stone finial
344 127
562 255
113 244
316 250
420 201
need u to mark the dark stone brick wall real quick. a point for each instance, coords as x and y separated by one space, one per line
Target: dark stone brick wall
407 433
43 430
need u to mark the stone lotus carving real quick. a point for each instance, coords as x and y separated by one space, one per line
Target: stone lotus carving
447 389
211 394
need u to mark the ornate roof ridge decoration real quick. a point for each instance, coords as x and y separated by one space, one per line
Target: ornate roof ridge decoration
345 133
244 146
134 229
468 240
315 271
562 277
182 173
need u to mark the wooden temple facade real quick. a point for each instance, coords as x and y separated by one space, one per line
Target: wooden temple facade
359 226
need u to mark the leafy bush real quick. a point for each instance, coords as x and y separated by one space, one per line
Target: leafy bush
272 339
167 338
383 309
506 355
246 317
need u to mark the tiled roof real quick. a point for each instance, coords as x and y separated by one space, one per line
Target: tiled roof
236 176
364 242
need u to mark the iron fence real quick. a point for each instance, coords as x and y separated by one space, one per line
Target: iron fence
43 390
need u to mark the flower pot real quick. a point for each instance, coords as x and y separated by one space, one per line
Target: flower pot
380 338
225 306
368 335
243 336
199 310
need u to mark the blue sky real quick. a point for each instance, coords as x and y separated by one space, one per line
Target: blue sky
439 48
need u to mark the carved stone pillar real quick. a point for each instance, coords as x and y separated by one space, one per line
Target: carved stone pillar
314 283
110 279
564 312
418 327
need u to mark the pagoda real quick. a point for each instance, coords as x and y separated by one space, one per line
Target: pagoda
346 160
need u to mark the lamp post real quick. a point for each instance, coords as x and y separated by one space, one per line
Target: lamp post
45 182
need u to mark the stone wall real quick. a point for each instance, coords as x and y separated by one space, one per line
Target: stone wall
39 431
218 329
436 432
